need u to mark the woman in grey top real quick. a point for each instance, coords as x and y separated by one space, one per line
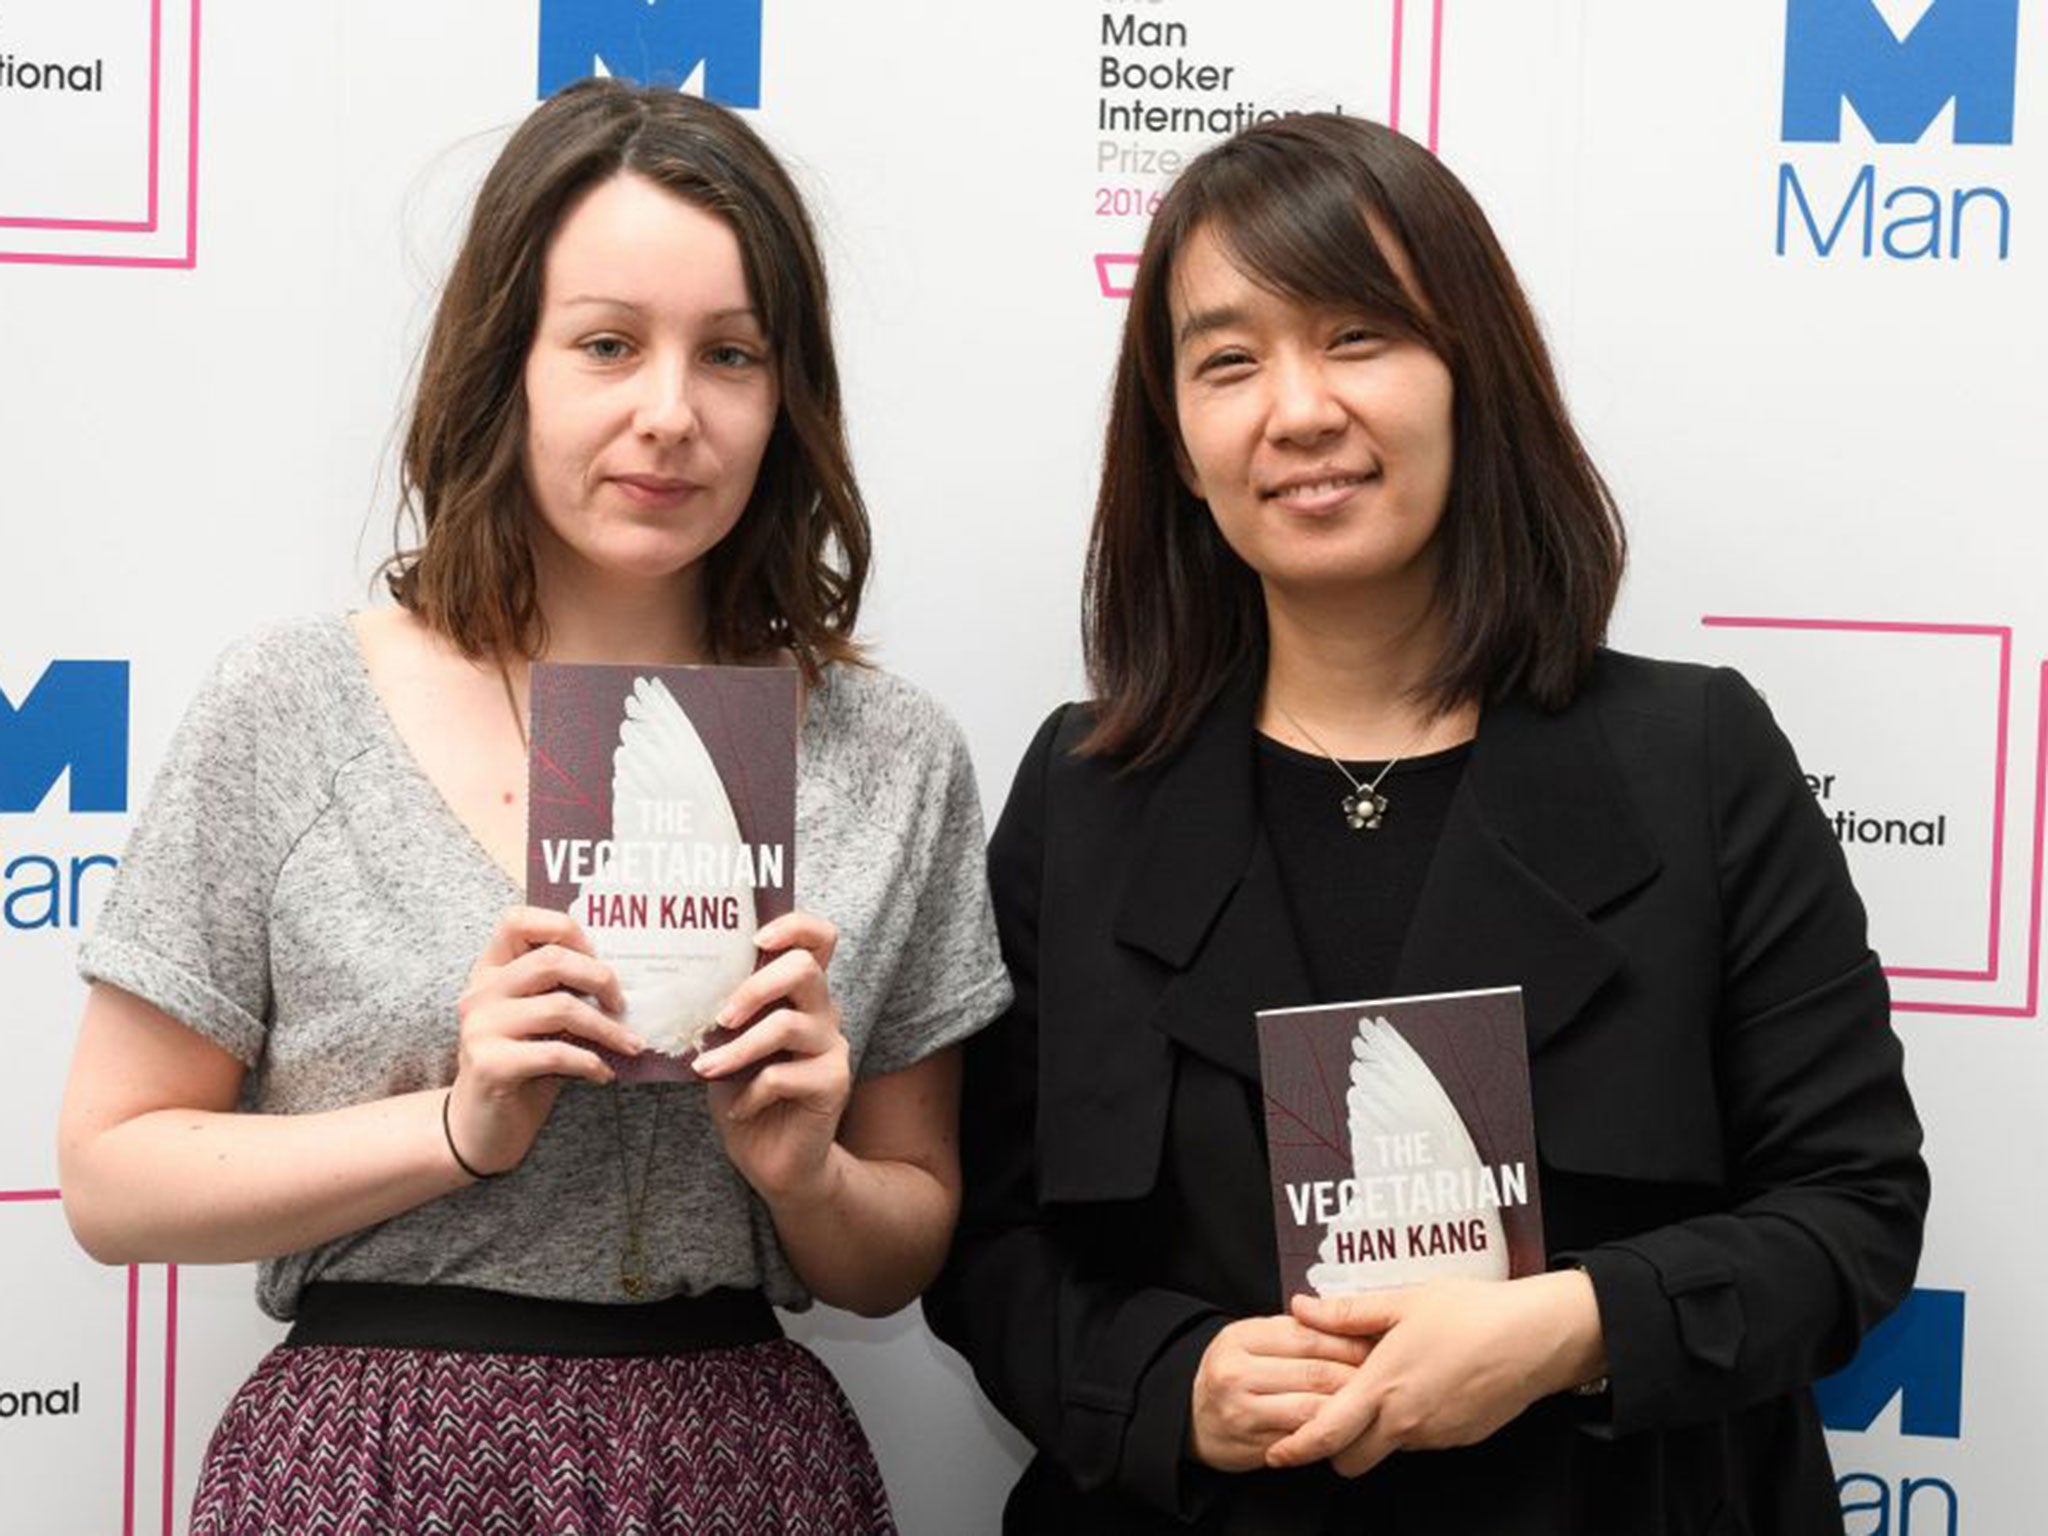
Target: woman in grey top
323 1034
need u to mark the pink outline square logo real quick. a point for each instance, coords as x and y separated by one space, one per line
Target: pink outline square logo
123 239
131 1384
1989 971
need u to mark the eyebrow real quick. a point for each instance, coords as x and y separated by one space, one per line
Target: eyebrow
1202 321
737 312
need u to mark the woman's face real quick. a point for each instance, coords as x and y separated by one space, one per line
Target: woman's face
1321 443
650 393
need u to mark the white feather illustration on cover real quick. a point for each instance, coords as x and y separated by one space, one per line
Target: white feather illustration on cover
1392 1087
675 984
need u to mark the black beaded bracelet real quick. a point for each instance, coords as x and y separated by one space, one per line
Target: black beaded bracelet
462 1162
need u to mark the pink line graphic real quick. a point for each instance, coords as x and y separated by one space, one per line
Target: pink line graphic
170 1395
128 1453
1394 71
1436 72
130 1414
2003 635
190 258
1114 272
147 224
2031 1007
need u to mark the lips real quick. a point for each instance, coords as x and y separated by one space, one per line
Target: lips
1318 490
654 490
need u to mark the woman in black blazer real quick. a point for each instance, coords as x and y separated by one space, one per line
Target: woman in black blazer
1355 736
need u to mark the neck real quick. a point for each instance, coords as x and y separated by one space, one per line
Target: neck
598 616
1347 668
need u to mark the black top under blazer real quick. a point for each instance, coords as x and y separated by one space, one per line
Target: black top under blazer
1725 1136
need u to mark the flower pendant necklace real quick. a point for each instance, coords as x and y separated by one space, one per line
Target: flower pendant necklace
1365 808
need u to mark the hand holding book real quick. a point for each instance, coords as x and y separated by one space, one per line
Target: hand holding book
538 1000
779 1087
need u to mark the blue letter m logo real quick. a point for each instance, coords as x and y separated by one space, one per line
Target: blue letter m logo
1916 1354
1964 51
76 717
655 42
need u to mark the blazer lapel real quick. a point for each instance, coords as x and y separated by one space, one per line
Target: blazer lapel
1540 837
1251 961
1205 894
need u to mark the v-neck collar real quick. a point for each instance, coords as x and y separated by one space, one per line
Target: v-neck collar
355 672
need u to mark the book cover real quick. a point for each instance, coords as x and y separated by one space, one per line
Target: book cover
661 815
1401 1141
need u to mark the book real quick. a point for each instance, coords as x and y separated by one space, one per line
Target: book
1401 1141
661 815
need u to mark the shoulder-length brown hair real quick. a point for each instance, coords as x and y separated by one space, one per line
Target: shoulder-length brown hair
791 571
1530 546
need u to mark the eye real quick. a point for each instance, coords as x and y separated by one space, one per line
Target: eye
1225 364
606 349
1358 337
732 354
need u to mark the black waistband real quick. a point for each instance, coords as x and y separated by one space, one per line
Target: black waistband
468 1321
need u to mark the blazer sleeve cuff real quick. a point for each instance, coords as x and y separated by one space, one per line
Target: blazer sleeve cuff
1666 1321
1157 1469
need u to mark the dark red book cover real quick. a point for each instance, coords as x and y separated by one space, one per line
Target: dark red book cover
1401 1140
661 815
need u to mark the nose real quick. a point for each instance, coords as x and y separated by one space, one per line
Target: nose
1303 409
664 412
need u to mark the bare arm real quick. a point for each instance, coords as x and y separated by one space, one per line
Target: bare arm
873 1234
158 1165
863 1182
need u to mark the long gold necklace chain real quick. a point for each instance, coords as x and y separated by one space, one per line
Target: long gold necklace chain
633 1263
633 1266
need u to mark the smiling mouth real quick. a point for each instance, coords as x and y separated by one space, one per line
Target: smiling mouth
1321 488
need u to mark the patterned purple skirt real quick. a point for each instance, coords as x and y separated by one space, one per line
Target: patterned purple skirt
336 1441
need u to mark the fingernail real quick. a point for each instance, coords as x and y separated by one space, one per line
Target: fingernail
723 1018
706 1064
637 1043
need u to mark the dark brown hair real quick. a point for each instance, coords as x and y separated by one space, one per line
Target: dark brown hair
1530 549
790 573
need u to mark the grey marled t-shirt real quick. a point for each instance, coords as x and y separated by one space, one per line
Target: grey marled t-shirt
300 893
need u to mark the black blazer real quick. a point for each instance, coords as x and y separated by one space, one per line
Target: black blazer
1725 1136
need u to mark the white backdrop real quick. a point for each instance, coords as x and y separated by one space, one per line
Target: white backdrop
1807 357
